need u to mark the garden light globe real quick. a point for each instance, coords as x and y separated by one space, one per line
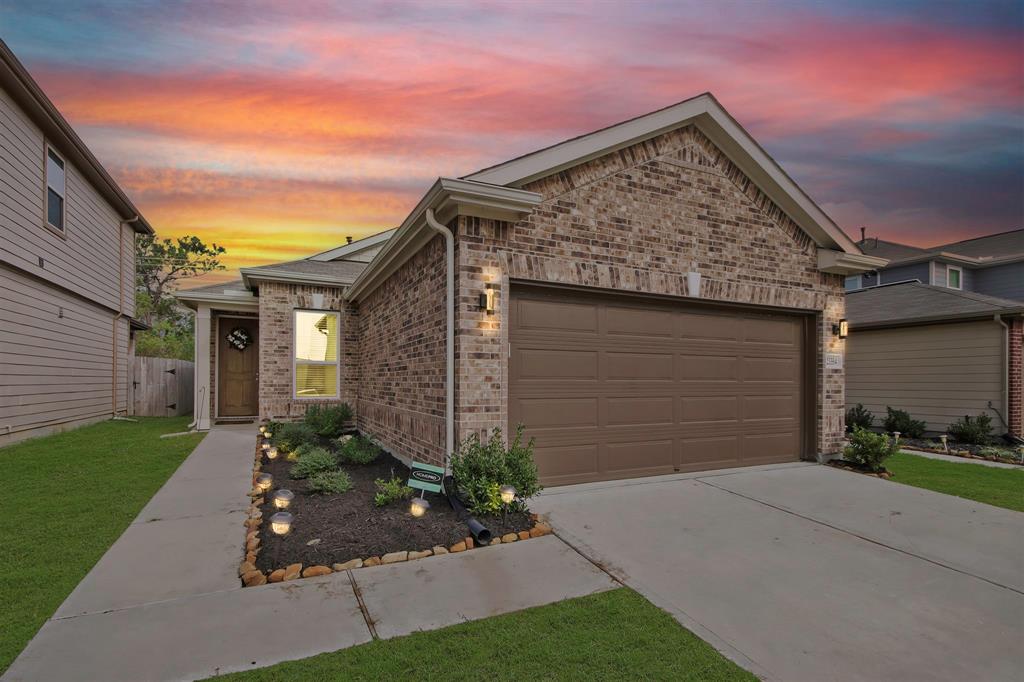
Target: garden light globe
268 434
272 453
419 507
508 493
281 523
283 498
263 429
264 481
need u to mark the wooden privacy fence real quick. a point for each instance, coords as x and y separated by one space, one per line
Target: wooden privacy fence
162 387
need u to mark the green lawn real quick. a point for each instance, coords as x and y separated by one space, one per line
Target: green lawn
612 635
65 499
998 487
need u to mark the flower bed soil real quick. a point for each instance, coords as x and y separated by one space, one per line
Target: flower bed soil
966 450
859 468
349 526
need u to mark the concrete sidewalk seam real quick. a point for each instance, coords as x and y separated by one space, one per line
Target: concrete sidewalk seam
862 537
362 605
186 597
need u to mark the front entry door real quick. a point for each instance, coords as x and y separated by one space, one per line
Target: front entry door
238 368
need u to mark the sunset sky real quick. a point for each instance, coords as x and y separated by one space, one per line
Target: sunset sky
276 128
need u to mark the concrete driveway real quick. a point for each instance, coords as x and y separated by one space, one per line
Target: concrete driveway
804 572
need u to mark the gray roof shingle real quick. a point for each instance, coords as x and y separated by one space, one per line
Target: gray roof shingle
909 302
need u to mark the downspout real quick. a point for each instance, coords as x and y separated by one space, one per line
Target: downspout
1006 371
117 318
449 410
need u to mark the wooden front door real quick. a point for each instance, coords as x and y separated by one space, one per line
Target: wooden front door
237 369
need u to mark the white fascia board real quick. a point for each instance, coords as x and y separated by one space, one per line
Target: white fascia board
448 197
714 121
842 263
355 247
219 301
250 275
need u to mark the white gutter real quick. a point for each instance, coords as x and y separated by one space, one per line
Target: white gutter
449 407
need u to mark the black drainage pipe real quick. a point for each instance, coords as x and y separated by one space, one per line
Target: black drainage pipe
480 534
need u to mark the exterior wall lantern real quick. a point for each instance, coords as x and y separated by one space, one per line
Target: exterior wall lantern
842 330
487 299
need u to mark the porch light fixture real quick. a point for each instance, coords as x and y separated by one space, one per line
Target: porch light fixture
487 299
283 498
842 329
281 523
264 481
508 494
418 507
272 453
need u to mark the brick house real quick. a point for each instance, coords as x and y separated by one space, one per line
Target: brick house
652 297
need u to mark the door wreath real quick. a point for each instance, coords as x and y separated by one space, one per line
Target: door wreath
238 338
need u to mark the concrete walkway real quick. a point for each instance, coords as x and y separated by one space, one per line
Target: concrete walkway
962 460
165 603
805 572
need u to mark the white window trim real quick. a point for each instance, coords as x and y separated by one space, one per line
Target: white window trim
62 231
960 279
296 362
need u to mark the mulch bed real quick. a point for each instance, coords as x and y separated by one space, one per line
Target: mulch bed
859 468
966 450
349 526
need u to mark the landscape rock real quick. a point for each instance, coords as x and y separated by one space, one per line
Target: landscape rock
253 578
251 544
351 563
246 567
495 541
251 556
372 561
524 535
458 547
420 555
509 537
276 576
394 557
292 572
314 571
469 542
440 550
539 530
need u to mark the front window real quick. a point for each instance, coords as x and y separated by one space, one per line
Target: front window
54 190
953 277
316 354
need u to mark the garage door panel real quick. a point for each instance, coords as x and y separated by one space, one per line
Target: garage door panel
639 411
654 387
540 363
626 366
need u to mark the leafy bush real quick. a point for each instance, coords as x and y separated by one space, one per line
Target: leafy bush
859 416
330 482
313 461
390 491
328 421
358 450
289 437
870 449
481 468
977 430
899 420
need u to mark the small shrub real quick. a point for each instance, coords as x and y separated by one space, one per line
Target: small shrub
870 449
328 421
900 420
976 430
390 491
481 468
290 437
330 482
313 461
358 450
859 416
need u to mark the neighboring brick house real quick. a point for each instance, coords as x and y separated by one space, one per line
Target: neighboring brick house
656 296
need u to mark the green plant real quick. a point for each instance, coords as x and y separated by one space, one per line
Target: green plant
976 430
870 449
313 461
900 420
328 421
330 482
390 491
859 416
358 450
480 468
290 437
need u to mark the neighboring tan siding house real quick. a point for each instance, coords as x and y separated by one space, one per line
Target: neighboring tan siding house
937 353
67 274
656 296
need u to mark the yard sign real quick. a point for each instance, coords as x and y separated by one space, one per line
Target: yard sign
426 477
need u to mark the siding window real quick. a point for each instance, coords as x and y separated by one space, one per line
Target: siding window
54 190
954 277
854 282
316 354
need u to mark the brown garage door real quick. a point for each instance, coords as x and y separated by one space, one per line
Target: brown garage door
616 387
